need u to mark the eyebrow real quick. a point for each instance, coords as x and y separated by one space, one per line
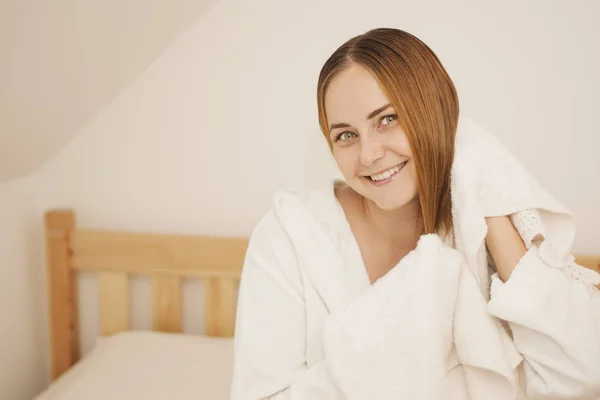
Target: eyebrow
371 115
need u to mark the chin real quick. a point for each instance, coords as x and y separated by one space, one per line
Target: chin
396 198
392 198
391 204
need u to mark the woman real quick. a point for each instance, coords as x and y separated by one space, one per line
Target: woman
390 114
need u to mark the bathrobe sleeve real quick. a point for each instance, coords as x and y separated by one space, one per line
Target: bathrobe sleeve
270 337
553 310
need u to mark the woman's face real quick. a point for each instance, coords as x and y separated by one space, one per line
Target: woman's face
369 147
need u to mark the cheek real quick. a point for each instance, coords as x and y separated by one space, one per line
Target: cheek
405 149
400 143
345 161
412 175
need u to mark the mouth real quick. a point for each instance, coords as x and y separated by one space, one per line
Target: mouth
386 176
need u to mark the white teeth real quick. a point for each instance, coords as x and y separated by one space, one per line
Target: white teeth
388 173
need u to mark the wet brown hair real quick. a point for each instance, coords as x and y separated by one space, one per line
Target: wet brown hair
425 100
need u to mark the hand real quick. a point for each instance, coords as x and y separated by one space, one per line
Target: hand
505 245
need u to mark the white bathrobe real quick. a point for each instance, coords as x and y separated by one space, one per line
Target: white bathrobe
311 326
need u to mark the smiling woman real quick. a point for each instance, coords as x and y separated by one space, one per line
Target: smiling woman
393 284
379 91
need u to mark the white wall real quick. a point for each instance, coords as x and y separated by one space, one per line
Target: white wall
230 109
22 328
227 115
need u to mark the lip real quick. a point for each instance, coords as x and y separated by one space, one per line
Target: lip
383 170
388 179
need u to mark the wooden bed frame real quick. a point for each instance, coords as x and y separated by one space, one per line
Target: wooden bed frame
115 256
167 259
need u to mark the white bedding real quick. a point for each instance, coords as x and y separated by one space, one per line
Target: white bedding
140 365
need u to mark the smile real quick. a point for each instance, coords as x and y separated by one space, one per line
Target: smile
388 175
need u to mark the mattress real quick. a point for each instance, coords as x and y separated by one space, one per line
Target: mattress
149 365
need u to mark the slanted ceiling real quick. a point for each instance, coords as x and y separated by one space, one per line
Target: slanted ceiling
61 62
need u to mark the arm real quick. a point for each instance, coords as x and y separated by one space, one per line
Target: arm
505 245
554 315
271 329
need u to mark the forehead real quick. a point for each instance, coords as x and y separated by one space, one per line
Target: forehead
352 95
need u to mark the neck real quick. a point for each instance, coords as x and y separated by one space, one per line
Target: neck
401 226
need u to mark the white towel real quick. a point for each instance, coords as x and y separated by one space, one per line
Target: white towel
488 181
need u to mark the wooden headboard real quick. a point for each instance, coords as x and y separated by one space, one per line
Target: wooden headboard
166 259
115 257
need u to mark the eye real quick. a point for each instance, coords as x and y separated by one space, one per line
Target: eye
345 136
388 120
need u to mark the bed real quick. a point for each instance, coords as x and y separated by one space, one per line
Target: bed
161 363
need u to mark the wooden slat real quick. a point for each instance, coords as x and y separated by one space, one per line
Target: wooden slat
211 299
588 261
166 303
114 302
62 293
220 307
108 263
138 253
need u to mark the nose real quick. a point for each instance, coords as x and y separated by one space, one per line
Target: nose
371 150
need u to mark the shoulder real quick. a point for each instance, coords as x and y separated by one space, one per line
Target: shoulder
317 207
291 211
282 235
295 218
